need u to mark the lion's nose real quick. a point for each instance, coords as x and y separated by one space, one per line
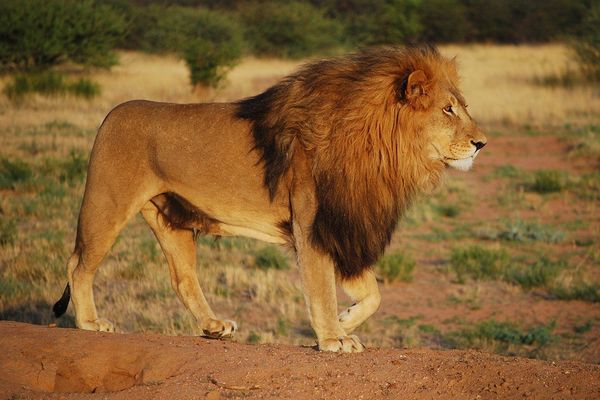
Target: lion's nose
478 145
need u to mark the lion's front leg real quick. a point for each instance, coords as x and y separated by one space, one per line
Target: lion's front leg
364 292
318 278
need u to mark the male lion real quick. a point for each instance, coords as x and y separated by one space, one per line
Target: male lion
327 160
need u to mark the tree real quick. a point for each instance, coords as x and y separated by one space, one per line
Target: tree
38 34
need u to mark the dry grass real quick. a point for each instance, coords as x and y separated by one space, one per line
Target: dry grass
497 83
133 287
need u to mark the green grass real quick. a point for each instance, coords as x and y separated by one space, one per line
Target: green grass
13 173
253 338
541 274
518 230
270 257
447 210
8 231
587 186
396 267
49 83
584 327
577 291
548 181
501 335
478 263
508 172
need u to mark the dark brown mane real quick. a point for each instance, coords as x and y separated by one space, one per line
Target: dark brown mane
368 160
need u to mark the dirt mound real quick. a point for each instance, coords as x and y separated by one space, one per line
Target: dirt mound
39 362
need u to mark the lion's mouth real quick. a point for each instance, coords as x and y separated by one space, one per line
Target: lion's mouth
461 164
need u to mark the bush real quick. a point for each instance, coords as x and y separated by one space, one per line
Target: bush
396 267
587 45
379 22
38 34
270 257
208 41
443 21
288 29
214 46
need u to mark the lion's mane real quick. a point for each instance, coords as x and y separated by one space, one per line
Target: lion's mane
362 138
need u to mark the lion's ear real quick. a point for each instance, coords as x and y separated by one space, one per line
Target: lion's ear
415 88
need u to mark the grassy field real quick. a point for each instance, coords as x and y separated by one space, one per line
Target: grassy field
505 258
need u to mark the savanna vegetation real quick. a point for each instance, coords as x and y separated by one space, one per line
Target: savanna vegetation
504 258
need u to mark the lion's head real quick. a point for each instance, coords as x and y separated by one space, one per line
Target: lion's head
378 127
440 111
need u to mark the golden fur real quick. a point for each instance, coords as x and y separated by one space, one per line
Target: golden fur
327 160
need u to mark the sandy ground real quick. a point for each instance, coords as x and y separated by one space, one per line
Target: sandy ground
38 362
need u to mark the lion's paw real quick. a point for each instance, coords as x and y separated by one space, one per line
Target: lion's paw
98 325
218 329
345 344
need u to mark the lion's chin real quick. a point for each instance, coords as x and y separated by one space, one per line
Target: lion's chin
464 164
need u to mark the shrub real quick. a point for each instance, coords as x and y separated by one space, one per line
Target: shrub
396 267
288 29
209 42
271 257
587 45
43 33
380 22
214 47
443 21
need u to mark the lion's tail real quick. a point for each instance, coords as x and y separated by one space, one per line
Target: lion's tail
60 307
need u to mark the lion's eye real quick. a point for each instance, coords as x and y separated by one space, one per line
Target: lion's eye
449 110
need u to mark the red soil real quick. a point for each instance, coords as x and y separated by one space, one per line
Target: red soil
39 362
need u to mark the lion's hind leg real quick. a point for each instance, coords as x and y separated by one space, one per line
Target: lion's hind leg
179 247
364 291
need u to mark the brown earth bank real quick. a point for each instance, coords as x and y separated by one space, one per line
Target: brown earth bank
38 362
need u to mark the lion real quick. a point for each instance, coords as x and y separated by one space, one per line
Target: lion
326 161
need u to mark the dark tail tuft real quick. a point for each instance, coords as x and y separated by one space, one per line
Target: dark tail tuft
61 305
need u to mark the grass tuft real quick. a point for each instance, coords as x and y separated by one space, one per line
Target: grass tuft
49 83
548 181
518 230
542 274
494 332
396 267
8 231
478 263
271 257
577 291
13 172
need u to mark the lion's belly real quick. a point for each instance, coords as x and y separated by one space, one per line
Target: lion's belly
274 236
